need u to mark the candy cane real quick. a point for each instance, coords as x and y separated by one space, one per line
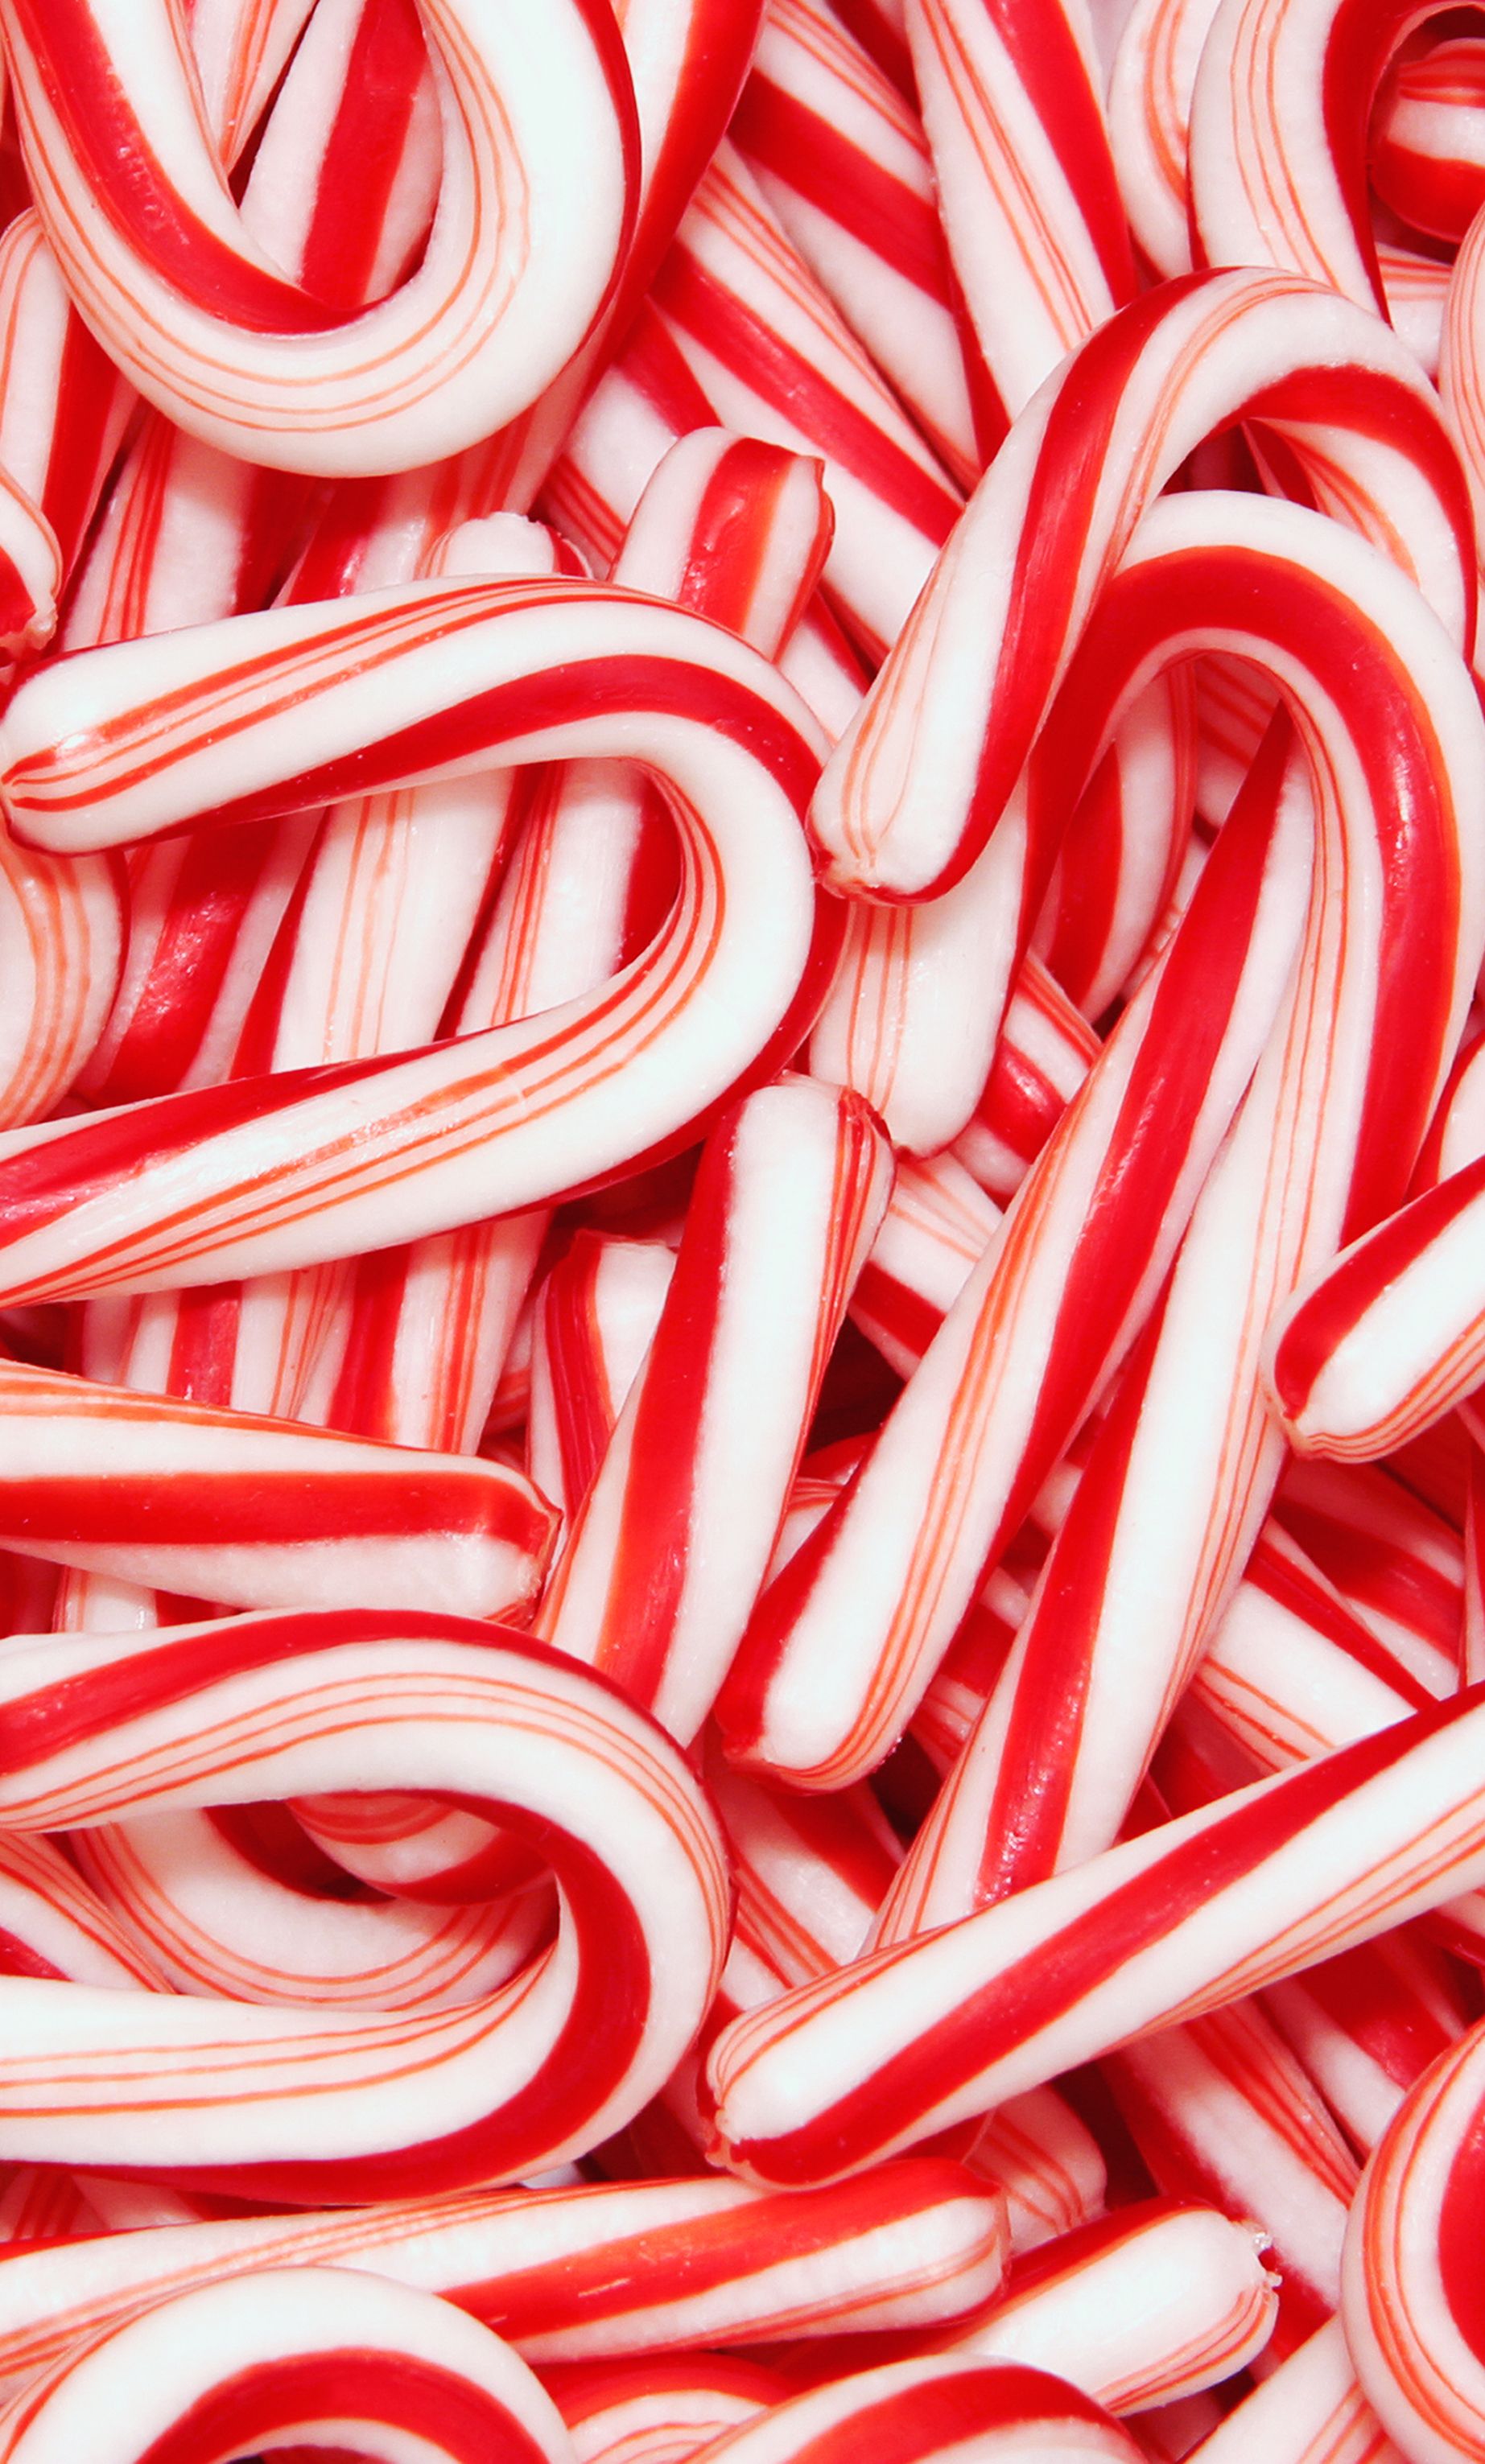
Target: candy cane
1142 2307
1031 207
1047 2163
1411 2309
1277 177
1184 1920
1096 1613
1043 1053
1427 158
846 168
927 771
671 1545
52 1924
1310 2412
203 324
200 1898
1397 1562
59 430
312 2355
700 989
579 2274
177 2085
894 1567
358 103
728 528
1222 2111
1392 1334
224 1505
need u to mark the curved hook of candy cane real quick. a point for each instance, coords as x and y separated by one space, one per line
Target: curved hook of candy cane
397 687
928 769
937 2406
533 217
1411 2292
300 2354
843 1644
314 2104
1278 160
1392 1335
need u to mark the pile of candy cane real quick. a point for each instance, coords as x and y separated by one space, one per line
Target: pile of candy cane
742 1232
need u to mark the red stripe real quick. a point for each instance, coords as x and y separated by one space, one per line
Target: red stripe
651 1558
187 1510
358 173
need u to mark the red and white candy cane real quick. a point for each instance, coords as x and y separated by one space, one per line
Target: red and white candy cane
927 771
1411 2287
222 1504
403 685
1393 1558
1011 105
1140 2307
938 1225
243 1907
578 2275
1181 1919
1277 138
308 2357
846 168
844 1643
1221 2110
671 1545
204 325
1047 2163
1043 1053
1326 1139
1368 2024
1310 2411
728 528
312 2104
1392 1334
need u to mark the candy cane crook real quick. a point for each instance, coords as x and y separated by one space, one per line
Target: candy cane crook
534 215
